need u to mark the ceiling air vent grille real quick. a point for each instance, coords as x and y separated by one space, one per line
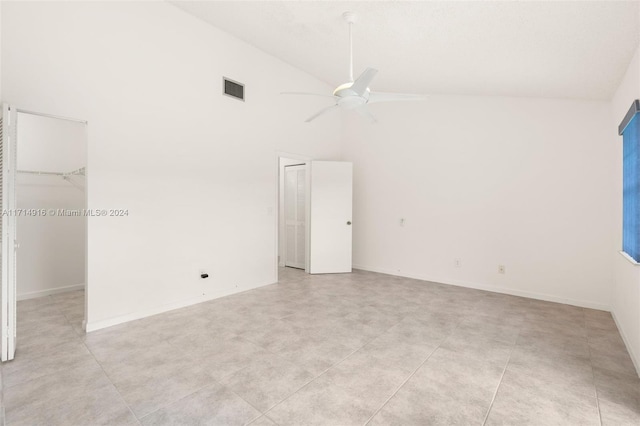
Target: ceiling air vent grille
233 88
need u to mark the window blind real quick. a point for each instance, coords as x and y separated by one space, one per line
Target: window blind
631 183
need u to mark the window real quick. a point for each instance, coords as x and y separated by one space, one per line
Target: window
630 131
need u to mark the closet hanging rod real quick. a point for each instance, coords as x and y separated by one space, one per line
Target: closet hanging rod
77 172
58 117
34 172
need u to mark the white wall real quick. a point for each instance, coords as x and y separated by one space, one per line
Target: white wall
147 77
625 304
52 248
49 144
524 183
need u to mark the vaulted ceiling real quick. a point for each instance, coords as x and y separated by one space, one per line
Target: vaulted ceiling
557 49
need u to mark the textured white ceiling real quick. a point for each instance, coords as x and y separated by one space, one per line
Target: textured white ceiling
558 49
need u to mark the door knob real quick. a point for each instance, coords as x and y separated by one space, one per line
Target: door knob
348 222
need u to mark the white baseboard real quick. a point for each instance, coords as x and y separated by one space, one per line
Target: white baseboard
632 354
494 289
49 292
109 322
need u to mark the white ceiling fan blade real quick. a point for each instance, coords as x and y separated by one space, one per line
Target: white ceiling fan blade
360 85
319 113
363 111
392 97
308 94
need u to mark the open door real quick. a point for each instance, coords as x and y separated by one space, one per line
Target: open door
331 209
8 243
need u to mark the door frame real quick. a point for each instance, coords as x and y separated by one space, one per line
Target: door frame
8 284
307 189
13 299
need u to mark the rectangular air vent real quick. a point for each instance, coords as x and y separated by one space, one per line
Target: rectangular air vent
233 88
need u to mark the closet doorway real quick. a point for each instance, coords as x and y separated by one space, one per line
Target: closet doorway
293 212
295 216
314 215
50 224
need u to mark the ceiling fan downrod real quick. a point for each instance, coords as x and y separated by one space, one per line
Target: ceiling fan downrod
350 18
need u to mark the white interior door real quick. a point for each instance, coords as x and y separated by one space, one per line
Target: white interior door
295 216
331 207
8 243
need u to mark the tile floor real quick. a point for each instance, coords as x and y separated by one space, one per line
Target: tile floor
353 349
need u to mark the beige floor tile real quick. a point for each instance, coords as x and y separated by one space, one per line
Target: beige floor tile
522 401
479 346
271 334
392 354
96 407
378 370
83 392
45 337
619 362
322 402
267 380
556 327
35 319
561 370
541 341
156 361
148 394
213 405
325 349
492 325
616 387
315 353
448 389
31 364
624 414
262 421
220 357
121 342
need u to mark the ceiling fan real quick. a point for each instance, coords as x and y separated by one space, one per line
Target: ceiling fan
355 94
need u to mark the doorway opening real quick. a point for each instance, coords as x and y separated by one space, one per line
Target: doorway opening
293 212
294 215
51 225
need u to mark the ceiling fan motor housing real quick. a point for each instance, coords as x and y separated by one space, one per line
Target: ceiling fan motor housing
348 98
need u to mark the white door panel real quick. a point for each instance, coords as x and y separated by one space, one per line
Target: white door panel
331 209
295 216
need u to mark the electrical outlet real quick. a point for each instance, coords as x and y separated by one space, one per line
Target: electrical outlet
502 269
457 263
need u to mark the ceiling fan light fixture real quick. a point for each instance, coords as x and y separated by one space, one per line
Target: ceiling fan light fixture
351 102
355 94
